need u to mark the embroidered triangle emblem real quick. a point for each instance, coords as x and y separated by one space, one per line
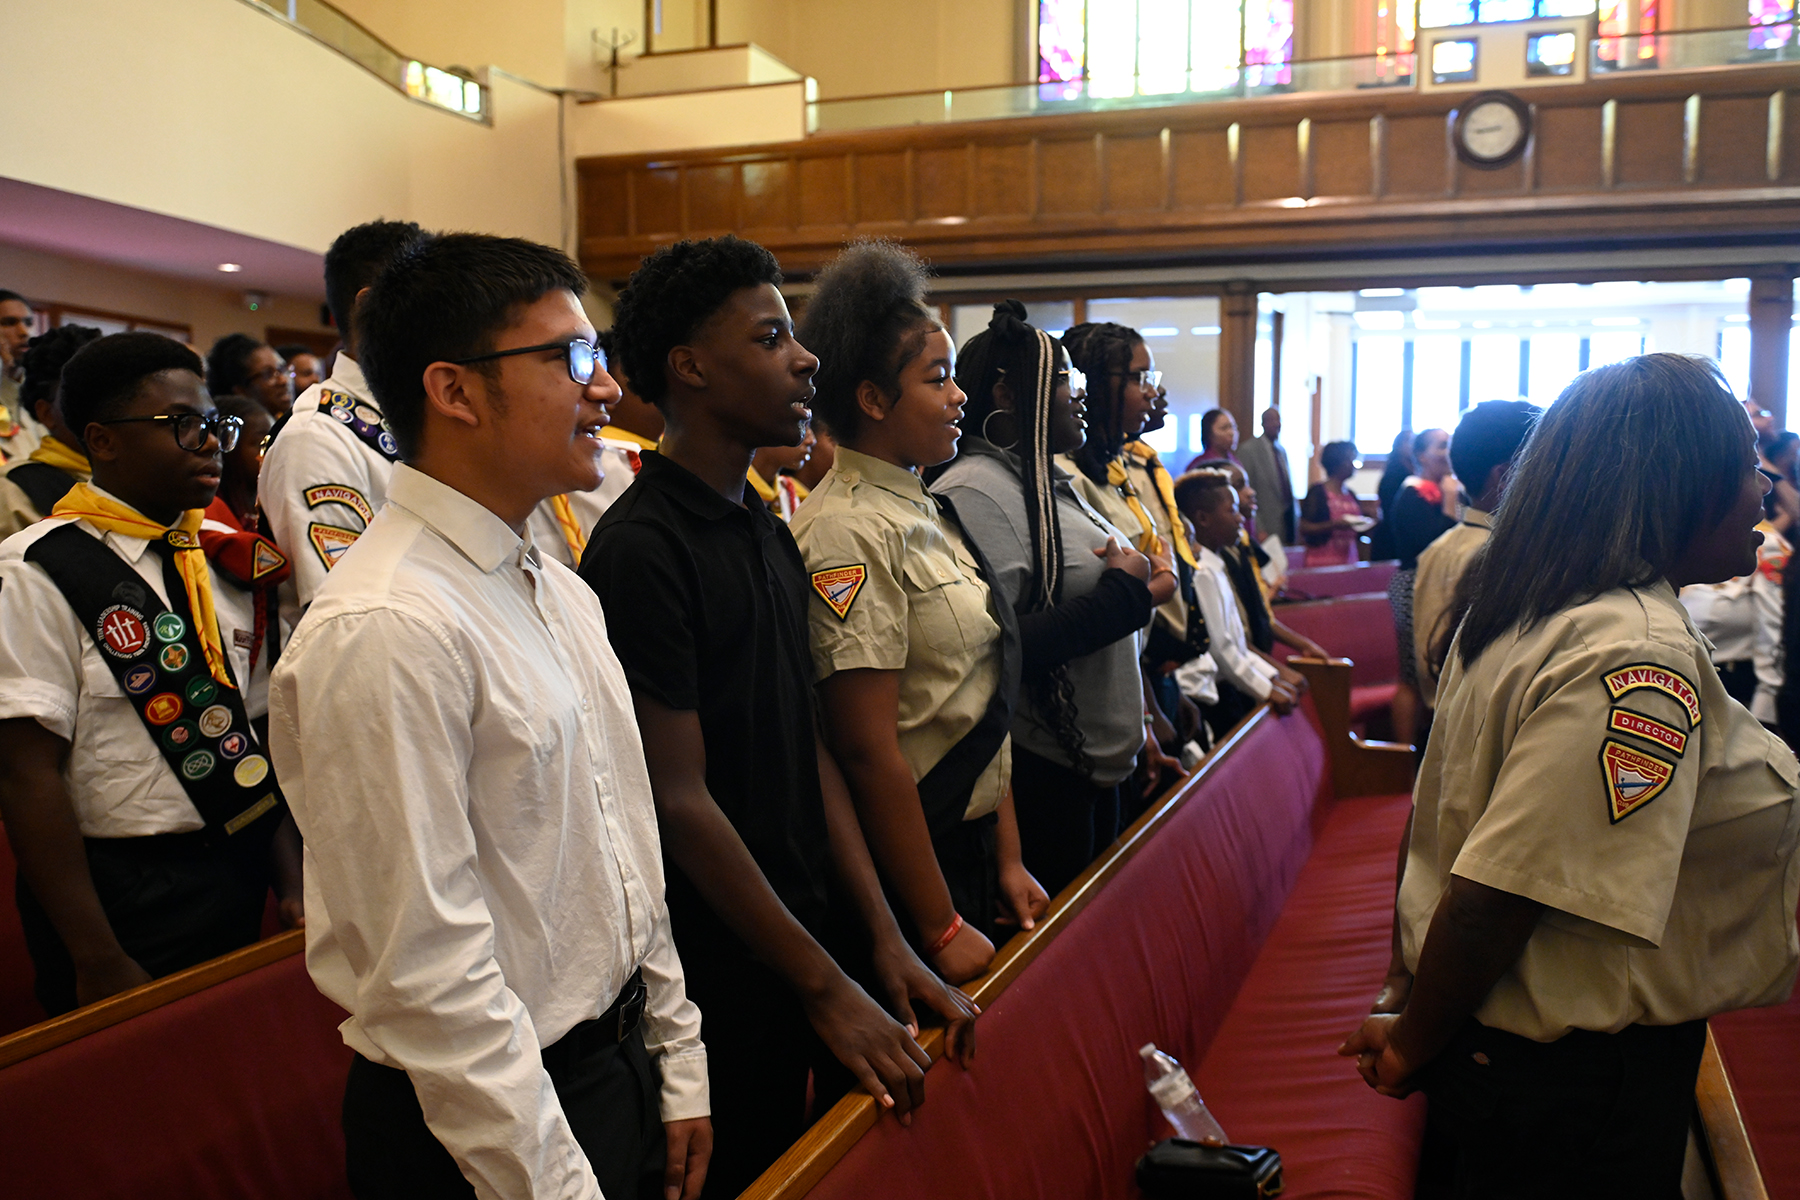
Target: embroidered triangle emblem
265 559
1633 778
330 541
838 587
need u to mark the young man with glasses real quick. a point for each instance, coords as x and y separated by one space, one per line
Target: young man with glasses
325 474
484 884
133 788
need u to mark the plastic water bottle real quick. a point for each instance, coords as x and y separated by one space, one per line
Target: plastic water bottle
1175 1093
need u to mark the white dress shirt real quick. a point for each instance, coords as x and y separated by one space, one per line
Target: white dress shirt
456 740
315 451
1238 665
51 671
588 507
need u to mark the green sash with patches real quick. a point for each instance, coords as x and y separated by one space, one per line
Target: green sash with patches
154 652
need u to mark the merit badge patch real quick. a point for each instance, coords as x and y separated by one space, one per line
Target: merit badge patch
200 691
122 632
330 541
339 493
1639 676
1623 720
173 658
251 771
838 587
1633 778
169 627
181 735
198 765
215 721
140 679
162 708
233 745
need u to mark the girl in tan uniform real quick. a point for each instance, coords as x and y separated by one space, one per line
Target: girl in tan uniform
918 662
1602 847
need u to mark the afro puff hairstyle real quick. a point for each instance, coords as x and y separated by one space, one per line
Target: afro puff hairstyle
671 294
866 320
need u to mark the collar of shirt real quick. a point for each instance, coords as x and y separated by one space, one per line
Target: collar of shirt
127 547
637 441
1210 559
346 376
981 447
856 467
483 538
689 490
1479 519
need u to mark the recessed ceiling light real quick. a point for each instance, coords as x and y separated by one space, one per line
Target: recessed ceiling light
231 268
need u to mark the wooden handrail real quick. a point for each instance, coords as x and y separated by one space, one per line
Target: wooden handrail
820 1148
1358 767
60 1031
1730 1159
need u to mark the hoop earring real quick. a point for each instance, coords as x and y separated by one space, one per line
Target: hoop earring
987 433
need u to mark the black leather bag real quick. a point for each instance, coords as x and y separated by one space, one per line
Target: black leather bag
1176 1169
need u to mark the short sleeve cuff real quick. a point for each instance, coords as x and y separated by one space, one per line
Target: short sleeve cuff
1602 910
684 1087
856 656
44 703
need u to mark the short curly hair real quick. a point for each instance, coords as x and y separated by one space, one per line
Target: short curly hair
45 357
671 294
866 319
103 377
228 363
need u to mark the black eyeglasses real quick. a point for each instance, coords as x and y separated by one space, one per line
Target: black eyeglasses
1144 377
192 429
585 358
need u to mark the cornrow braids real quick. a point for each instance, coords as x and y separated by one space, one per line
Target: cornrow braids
1102 351
1027 359
866 320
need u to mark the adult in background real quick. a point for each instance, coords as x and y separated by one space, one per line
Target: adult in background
19 430
917 655
1332 517
1218 440
1425 507
1081 591
1400 464
1266 462
239 365
32 485
1602 848
1780 461
1487 443
487 904
306 365
1741 618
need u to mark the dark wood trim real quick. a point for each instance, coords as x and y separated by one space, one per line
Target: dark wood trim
1358 767
60 1031
808 1160
1771 326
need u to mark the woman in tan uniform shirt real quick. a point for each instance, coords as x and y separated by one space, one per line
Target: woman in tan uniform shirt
918 662
1602 847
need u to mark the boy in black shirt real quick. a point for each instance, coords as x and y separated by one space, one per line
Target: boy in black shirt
705 599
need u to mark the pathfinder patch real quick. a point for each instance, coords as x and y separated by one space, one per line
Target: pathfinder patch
1633 778
839 586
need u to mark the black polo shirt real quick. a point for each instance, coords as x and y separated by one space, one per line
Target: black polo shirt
706 607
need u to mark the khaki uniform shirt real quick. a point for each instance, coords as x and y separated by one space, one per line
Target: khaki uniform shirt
1594 763
1441 567
895 588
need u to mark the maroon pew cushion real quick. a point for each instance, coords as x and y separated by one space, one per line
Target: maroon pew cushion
232 1092
1319 583
1055 1106
18 1006
1273 1077
1761 1050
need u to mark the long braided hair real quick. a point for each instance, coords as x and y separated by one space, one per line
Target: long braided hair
1028 360
1102 351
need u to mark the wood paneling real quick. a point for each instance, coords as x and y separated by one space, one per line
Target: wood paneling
1202 182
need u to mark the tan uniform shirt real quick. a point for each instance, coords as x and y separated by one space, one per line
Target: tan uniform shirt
1595 763
1441 567
895 588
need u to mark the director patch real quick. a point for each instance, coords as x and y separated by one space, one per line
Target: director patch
1623 720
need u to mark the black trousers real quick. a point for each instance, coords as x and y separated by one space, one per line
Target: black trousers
609 1092
760 1054
969 857
1739 679
172 900
1065 820
1590 1115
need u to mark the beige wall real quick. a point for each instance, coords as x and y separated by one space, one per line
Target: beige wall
211 312
196 115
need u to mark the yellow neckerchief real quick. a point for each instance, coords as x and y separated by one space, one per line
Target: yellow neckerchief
1148 542
764 489
8 426
53 453
571 528
1165 491
88 503
625 435
1246 548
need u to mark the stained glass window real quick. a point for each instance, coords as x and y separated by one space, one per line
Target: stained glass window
1161 47
1268 41
1062 47
1435 14
1770 12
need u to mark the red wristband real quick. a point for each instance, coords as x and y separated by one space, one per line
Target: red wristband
956 924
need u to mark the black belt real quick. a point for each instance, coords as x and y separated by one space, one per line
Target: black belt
608 1029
